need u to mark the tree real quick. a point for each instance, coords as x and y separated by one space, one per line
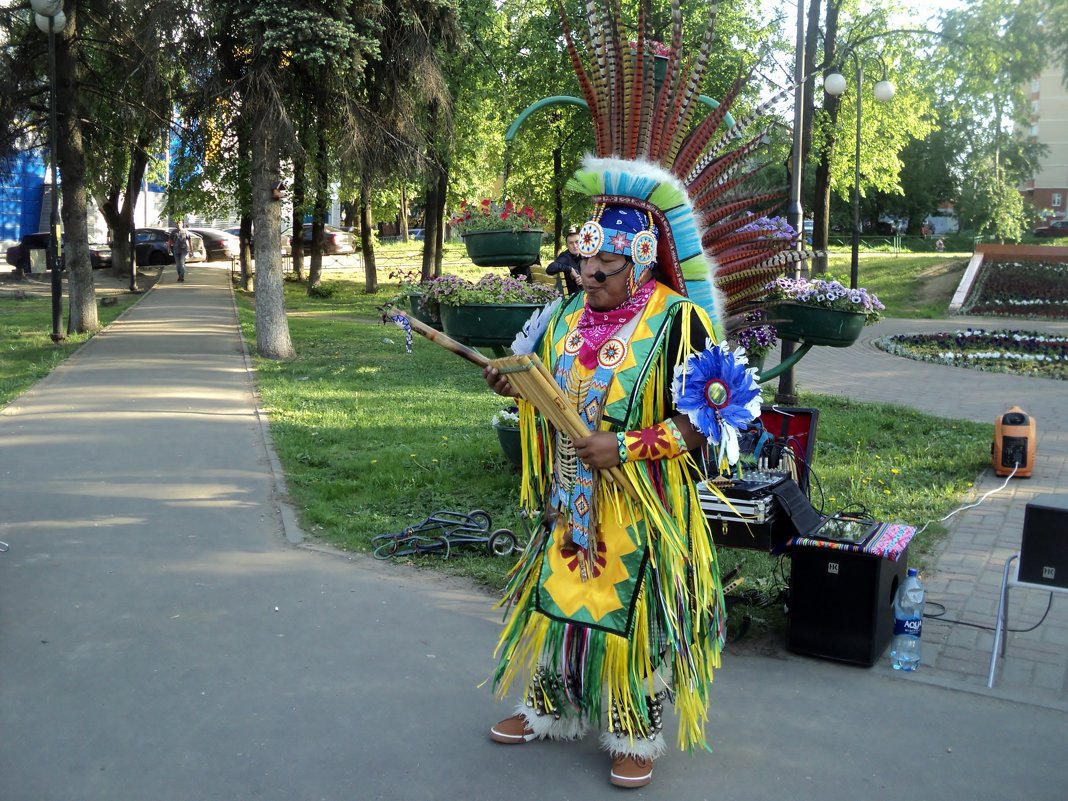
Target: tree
887 129
996 47
386 139
279 45
127 119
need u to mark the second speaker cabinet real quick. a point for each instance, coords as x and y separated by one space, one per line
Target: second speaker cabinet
842 603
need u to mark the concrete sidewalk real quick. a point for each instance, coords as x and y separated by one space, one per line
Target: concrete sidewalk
159 639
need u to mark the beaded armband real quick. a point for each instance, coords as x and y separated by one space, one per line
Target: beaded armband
621 443
662 441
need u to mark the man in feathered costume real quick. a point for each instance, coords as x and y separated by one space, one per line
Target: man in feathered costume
616 603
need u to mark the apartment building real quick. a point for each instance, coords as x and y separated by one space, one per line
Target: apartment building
1048 191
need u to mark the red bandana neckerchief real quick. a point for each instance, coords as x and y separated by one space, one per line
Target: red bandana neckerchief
597 327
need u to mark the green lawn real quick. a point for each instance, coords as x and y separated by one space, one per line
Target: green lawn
27 353
373 440
909 285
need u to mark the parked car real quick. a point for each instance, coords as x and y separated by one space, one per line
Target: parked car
415 234
335 241
287 241
153 246
18 256
1055 228
218 245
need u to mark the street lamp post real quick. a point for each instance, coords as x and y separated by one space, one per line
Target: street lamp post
786 394
49 17
835 84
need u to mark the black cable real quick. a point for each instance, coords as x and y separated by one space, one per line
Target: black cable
938 616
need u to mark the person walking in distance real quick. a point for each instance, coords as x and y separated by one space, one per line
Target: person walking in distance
180 248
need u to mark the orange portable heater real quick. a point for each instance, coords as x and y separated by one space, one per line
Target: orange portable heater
1014 443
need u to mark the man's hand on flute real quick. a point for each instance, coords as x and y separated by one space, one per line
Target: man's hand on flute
600 449
497 382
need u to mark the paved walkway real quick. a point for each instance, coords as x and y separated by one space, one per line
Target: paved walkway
160 639
967 572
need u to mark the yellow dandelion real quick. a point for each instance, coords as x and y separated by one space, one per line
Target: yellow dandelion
894 471
886 492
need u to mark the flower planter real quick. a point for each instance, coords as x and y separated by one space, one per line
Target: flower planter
660 64
757 362
510 444
503 248
421 313
815 325
486 325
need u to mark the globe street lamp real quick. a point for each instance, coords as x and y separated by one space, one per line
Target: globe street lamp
48 14
835 84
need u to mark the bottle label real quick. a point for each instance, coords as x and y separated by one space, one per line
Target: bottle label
912 626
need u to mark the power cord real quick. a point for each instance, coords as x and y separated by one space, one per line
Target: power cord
1004 484
938 616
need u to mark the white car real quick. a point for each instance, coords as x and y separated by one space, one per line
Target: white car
219 245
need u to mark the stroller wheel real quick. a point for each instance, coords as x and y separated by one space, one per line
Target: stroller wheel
501 542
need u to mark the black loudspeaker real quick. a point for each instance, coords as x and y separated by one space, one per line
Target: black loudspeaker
1044 548
842 603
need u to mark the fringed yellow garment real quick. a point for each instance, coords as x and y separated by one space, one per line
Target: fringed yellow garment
676 620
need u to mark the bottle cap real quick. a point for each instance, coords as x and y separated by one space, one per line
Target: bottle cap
913 571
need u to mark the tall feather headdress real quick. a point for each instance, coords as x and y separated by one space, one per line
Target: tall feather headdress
693 179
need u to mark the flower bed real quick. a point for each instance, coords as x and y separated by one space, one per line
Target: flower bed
1020 289
1021 352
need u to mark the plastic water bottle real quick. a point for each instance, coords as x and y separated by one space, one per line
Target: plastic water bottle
908 623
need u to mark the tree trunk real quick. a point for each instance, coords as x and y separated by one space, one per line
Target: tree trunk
402 214
322 178
348 214
430 228
70 153
120 217
245 254
244 159
821 218
439 214
296 246
558 199
808 93
297 251
272 327
822 190
120 228
431 235
367 246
